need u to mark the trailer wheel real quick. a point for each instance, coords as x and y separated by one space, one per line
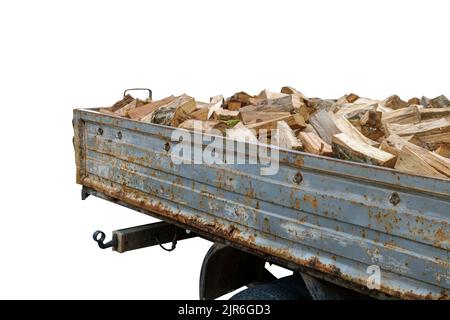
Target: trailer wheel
288 288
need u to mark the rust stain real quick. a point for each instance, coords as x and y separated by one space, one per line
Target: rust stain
299 161
311 200
232 232
297 203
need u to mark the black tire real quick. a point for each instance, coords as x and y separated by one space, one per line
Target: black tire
287 288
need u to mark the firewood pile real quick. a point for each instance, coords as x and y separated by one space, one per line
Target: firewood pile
411 136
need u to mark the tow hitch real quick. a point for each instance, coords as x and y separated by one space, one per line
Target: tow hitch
147 235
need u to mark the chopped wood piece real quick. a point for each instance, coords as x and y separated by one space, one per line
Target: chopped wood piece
233 104
372 119
121 103
259 116
420 129
352 97
290 90
288 103
384 109
244 98
394 102
432 141
342 100
285 138
370 125
443 150
205 126
266 94
143 111
224 114
201 112
108 111
347 148
326 105
241 133
129 107
175 112
354 111
362 100
441 164
408 115
216 99
313 144
411 162
414 101
324 124
389 149
295 121
424 101
439 102
434 113
217 105
345 126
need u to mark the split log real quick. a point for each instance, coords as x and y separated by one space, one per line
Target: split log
313 144
433 141
175 112
352 97
443 150
420 129
413 101
268 95
352 111
285 138
394 102
124 111
384 109
347 148
210 126
424 101
372 118
288 103
346 127
408 115
411 162
290 90
295 121
217 105
241 99
259 116
324 124
224 114
121 103
233 104
371 124
441 164
434 113
142 112
216 99
439 102
241 133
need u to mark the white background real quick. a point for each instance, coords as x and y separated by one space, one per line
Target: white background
59 55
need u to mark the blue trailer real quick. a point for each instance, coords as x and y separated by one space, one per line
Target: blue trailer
338 224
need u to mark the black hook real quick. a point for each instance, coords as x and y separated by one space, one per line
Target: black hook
100 240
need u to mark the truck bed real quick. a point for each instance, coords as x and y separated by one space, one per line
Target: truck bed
327 217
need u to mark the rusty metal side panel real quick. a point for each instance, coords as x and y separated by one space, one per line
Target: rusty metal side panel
338 220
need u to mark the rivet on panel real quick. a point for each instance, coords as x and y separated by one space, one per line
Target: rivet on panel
298 178
167 146
394 198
